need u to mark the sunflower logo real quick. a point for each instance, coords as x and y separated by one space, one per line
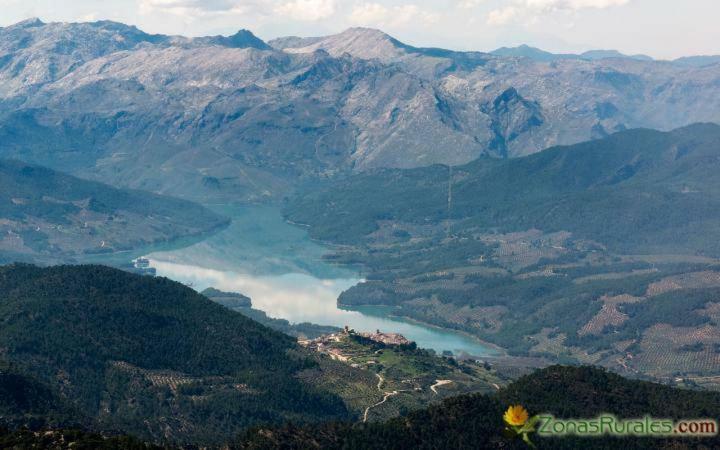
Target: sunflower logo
519 424
516 416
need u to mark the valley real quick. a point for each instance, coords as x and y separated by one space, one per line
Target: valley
288 277
350 242
541 263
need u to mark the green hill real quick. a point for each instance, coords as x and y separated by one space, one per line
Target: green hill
601 253
475 421
637 190
26 402
52 217
464 422
69 440
150 356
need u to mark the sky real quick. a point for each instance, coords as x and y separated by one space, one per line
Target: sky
664 29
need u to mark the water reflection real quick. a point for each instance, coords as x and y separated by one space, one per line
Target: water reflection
293 296
283 272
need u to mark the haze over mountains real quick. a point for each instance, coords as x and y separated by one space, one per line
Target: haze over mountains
562 208
526 51
220 118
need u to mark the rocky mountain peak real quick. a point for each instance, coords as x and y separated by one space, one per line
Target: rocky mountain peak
365 43
29 23
241 39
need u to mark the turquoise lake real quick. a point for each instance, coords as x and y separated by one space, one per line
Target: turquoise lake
282 270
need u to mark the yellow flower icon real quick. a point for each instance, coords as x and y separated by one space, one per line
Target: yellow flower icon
516 416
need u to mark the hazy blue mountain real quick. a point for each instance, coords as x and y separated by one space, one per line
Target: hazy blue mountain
227 118
525 51
698 61
536 54
604 54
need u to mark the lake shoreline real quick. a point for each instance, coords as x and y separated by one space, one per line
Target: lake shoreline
288 277
501 351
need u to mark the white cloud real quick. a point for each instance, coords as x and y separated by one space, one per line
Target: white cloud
302 10
503 15
530 9
307 10
377 15
550 5
200 8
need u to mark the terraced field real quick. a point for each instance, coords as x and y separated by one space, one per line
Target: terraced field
697 280
379 381
609 315
672 351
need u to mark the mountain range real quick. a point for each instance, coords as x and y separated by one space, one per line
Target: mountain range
563 208
220 118
637 191
526 51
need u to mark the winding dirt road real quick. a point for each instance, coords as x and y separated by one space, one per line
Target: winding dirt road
439 383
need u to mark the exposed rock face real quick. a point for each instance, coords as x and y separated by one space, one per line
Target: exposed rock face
236 118
241 39
512 117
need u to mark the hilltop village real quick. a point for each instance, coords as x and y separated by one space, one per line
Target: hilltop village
385 373
324 344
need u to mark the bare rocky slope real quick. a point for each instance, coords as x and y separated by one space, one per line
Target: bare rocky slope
236 118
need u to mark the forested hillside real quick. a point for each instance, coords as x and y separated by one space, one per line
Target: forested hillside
52 217
636 191
604 252
147 356
475 421
469 421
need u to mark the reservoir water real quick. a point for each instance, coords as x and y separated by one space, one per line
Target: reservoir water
282 270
